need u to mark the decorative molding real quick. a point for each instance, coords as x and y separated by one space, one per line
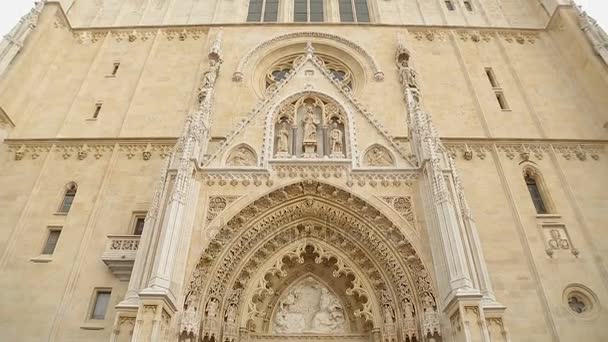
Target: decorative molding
403 205
217 204
523 151
82 150
474 35
239 72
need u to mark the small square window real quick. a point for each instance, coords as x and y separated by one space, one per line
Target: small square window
115 68
100 304
51 240
138 228
449 5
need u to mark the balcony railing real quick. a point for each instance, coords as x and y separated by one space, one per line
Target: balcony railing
120 253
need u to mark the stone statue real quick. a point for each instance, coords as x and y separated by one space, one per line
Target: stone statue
310 125
389 314
231 314
378 156
283 141
335 141
408 76
212 308
309 307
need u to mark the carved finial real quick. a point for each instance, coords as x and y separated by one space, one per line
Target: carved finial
215 52
310 50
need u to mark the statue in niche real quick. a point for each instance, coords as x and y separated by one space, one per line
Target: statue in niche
378 156
212 308
389 314
231 314
310 125
309 139
309 307
335 142
242 156
283 141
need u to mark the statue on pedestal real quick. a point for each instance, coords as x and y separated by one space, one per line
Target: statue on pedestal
310 133
335 142
283 142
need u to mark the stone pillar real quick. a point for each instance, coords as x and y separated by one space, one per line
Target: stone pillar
151 302
465 291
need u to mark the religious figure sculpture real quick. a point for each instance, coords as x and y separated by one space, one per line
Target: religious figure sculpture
231 314
310 125
212 308
242 156
283 141
310 133
309 307
378 156
335 142
389 314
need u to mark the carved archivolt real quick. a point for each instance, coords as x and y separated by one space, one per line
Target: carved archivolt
359 243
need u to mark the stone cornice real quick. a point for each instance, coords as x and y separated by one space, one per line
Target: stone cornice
467 148
5 120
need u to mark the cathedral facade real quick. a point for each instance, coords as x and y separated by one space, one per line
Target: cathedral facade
304 170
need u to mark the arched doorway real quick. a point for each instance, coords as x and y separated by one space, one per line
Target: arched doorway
309 261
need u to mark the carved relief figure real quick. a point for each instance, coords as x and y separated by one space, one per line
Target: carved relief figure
231 314
309 307
335 141
242 156
407 75
212 308
283 141
378 156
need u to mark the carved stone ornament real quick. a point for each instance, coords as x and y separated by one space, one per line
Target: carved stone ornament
242 156
217 204
403 205
378 155
248 233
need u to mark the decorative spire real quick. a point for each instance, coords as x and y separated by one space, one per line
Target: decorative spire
310 50
215 51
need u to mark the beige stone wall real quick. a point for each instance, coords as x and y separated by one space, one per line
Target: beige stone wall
554 84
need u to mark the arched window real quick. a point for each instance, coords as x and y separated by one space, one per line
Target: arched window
354 11
308 11
263 11
68 198
534 184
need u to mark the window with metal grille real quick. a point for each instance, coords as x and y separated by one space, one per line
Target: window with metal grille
354 11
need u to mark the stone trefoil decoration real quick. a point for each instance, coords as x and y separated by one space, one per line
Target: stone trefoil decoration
311 128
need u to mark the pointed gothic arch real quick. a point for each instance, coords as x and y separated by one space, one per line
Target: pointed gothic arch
368 243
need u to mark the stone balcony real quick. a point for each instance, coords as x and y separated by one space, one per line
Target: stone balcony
120 253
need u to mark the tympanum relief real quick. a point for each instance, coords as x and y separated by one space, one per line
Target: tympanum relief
309 307
378 155
311 128
242 155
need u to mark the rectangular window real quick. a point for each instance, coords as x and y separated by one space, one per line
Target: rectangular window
346 11
502 102
271 11
97 110
51 240
138 228
100 303
491 77
449 5
115 69
300 11
255 10
468 5
316 10
362 11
